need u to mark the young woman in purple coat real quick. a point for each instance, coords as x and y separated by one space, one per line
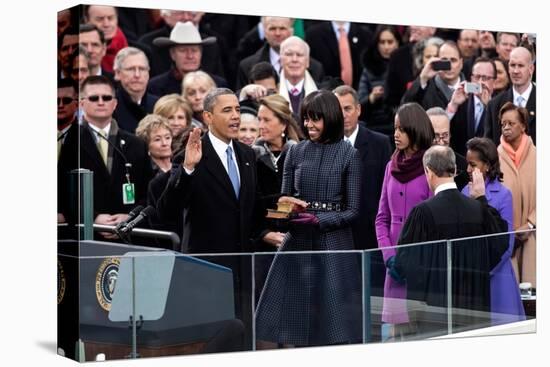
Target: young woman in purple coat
506 305
403 188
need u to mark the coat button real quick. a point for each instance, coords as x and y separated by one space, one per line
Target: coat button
401 193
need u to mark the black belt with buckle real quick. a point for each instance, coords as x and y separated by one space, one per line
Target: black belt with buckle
324 206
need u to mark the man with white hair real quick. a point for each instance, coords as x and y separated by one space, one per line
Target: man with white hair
276 30
132 74
296 82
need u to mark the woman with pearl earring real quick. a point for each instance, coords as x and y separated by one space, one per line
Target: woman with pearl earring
278 131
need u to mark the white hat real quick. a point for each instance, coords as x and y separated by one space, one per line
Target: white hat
183 34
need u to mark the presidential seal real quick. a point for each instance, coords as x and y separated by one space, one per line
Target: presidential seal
61 282
105 281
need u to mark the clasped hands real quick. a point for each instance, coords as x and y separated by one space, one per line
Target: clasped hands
392 271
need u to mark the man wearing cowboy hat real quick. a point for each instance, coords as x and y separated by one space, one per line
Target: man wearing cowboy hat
185 47
160 56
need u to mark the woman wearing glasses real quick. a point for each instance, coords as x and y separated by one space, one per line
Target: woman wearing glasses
518 163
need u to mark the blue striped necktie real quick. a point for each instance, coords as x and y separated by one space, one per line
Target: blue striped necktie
519 101
232 170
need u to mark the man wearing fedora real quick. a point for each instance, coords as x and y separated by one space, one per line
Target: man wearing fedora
185 48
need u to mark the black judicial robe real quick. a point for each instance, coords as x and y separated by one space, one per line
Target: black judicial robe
450 215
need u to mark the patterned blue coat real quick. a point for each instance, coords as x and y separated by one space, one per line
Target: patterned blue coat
315 299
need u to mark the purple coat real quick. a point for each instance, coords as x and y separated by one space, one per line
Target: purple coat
396 201
506 305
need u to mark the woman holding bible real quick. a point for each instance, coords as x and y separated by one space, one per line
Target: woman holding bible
314 298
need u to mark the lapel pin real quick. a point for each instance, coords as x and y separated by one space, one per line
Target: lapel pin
246 163
532 113
354 40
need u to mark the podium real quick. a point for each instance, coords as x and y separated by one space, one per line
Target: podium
180 303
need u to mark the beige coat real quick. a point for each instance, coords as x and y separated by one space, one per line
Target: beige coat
522 183
309 86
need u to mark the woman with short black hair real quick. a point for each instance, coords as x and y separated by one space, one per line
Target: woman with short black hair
314 299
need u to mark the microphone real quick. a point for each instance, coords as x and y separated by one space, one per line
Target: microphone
142 215
63 135
127 165
133 213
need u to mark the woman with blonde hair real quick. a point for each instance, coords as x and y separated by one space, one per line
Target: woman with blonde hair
179 114
249 129
278 132
176 109
194 87
155 131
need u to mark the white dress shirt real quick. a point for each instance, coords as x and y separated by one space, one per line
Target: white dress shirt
220 147
445 186
353 136
106 129
525 95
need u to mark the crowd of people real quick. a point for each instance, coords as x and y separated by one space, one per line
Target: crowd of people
370 132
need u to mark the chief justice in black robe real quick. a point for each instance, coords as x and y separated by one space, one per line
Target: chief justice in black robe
450 215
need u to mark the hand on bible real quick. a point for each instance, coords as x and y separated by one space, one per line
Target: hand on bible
297 204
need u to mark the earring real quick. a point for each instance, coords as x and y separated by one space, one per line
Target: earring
283 134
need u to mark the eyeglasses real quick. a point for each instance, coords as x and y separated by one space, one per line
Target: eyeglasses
105 98
483 78
442 137
64 100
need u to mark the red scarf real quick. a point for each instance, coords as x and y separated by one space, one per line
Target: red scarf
406 169
117 43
